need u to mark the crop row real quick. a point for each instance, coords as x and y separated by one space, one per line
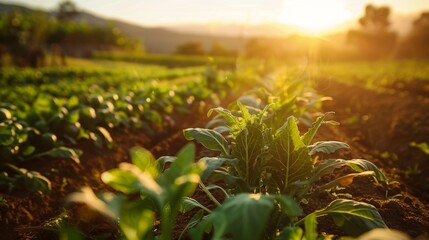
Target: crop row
39 123
23 85
166 60
408 75
260 162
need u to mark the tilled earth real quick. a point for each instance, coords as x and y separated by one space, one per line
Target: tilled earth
378 126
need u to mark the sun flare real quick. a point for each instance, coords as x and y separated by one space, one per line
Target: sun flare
315 16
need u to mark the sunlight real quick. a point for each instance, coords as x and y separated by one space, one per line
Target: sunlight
315 16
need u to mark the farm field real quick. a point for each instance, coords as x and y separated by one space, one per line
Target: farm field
223 120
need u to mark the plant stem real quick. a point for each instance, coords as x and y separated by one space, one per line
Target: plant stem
209 194
166 224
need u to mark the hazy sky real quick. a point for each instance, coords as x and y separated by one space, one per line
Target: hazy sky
312 14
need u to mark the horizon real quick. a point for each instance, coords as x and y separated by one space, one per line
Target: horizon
291 13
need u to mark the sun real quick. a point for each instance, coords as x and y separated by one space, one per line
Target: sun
315 16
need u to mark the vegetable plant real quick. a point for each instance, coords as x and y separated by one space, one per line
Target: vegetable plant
161 191
258 158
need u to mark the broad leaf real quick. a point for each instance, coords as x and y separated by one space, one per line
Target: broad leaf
208 138
106 135
182 177
225 113
128 178
344 181
326 147
233 122
290 156
289 205
359 165
241 217
311 227
34 181
61 152
6 135
212 163
249 145
108 204
353 217
144 160
136 221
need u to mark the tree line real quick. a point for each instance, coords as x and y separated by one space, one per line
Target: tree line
27 36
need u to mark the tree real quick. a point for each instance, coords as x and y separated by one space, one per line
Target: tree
67 10
219 50
374 39
190 48
415 44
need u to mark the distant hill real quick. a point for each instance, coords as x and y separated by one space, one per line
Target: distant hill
156 40
231 36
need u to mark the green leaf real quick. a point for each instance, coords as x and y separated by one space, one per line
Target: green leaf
233 122
34 181
241 217
344 181
72 117
245 114
136 221
106 135
62 152
212 163
289 205
162 161
108 204
128 178
225 113
27 151
189 203
182 177
309 135
144 160
248 147
326 147
311 227
291 233
291 160
359 165
353 217
208 138
193 222
6 135
424 147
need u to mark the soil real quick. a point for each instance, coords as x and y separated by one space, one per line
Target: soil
377 125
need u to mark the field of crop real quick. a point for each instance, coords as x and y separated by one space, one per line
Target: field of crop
111 150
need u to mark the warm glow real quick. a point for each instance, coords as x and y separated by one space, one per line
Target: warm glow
315 16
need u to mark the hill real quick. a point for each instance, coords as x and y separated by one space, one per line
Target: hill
156 40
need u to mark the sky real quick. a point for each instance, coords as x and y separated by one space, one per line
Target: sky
306 14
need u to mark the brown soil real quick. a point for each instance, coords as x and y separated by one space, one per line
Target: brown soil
377 125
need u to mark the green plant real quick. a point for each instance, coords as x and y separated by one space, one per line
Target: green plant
161 191
20 143
260 159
